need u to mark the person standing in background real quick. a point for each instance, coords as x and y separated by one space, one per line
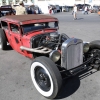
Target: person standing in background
20 10
75 12
86 10
50 9
29 10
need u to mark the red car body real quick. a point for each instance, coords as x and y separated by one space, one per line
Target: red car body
19 39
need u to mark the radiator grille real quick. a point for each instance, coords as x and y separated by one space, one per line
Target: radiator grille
72 54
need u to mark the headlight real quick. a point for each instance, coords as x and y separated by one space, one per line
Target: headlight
86 47
54 55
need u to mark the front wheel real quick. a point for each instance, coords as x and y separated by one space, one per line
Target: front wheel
46 77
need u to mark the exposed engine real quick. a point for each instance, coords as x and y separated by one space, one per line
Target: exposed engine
50 40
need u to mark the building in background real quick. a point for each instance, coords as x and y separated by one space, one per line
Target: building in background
91 2
7 2
44 4
69 2
58 2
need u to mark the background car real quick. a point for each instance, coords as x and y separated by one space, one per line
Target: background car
34 9
6 10
65 9
95 9
82 6
57 8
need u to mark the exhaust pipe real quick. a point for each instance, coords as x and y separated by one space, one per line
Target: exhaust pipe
43 50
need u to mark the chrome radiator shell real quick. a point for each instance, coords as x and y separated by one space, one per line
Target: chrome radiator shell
72 53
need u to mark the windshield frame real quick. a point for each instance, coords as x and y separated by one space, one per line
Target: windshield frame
28 28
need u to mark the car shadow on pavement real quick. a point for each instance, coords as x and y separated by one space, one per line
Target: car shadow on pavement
69 86
80 18
72 84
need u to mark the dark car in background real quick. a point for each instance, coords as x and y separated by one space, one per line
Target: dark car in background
82 6
33 9
57 8
95 9
6 10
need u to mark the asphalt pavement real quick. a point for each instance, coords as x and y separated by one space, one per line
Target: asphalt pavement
15 79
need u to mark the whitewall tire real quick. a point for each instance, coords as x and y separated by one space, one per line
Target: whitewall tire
46 77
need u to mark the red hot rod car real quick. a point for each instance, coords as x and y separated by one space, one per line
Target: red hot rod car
55 56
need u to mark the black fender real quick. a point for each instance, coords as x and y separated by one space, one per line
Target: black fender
95 44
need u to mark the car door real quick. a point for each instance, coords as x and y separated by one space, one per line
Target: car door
15 37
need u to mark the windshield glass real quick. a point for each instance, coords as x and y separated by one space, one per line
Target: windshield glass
33 27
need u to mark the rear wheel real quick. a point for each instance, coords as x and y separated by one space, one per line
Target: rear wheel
3 40
46 77
95 45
